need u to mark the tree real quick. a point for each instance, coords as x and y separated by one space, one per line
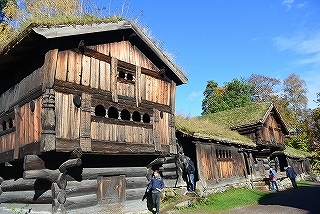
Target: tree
264 88
3 4
295 93
232 95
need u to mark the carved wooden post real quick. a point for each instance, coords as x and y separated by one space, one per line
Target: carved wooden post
59 188
48 121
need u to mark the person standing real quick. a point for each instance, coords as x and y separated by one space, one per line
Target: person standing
292 175
190 171
156 186
273 179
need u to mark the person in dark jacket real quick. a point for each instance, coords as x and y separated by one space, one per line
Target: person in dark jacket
292 175
156 186
190 171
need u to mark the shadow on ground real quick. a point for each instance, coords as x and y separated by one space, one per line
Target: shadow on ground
304 198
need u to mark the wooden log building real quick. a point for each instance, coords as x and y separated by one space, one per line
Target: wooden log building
84 111
225 161
219 161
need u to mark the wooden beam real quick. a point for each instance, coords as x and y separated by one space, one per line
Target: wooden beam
51 175
121 148
32 162
27 197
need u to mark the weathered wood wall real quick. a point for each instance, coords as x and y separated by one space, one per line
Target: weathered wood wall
271 131
216 161
26 127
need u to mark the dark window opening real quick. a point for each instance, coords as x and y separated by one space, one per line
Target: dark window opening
217 154
113 113
32 106
161 114
4 125
136 116
122 74
10 123
129 77
272 139
125 114
146 118
220 154
100 111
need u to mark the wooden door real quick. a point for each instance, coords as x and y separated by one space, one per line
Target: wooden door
111 189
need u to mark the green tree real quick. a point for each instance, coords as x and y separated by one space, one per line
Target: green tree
236 93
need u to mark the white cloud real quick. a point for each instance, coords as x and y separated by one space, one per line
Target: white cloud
301 5
306 44
254 39
194 95
288 3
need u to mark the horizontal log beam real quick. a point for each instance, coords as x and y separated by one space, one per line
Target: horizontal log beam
81 201
27 197
87 173
51 175
18 185
74 188
136 182
123 148
134 194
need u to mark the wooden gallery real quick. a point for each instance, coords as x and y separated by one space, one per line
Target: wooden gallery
85 111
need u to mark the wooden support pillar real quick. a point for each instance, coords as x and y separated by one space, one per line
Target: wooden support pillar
138 86
48 139
85 123
114 76
16 141
156 131
58 189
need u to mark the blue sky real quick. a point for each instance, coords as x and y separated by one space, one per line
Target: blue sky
221 40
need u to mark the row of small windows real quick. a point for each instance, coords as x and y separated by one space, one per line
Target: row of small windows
223 153
7 124
124 114
126 76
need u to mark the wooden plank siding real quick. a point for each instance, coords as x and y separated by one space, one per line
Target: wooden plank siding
271 130
216 161
101 131
26 128
67 117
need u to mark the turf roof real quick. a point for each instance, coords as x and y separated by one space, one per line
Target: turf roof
296 153
250 114
203 129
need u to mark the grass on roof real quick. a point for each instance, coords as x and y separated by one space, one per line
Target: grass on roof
196 125
243 115
296 153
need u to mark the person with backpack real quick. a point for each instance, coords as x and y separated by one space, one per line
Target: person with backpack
273 179
190 172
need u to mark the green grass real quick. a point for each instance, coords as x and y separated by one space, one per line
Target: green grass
304 183
193 126
228 200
